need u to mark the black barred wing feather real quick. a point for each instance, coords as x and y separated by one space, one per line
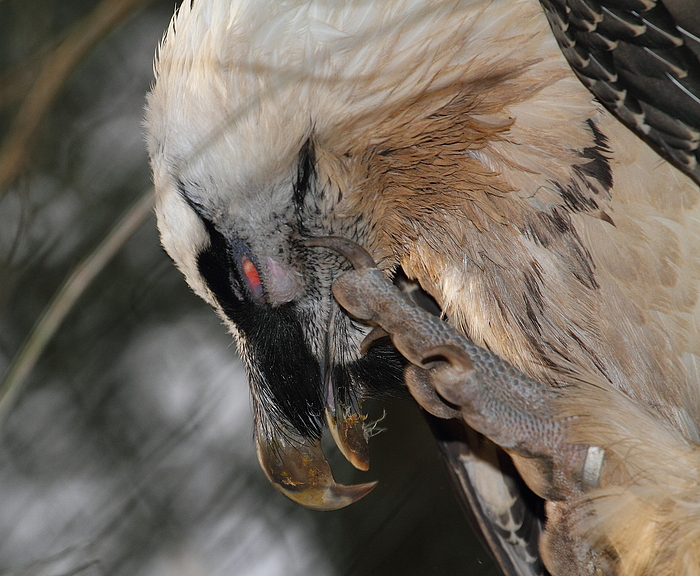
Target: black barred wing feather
641 59
505 514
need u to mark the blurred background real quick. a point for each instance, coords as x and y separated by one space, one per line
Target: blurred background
126 441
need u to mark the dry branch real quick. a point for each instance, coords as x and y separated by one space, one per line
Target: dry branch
51 78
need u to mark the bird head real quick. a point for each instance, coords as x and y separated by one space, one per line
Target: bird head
240 244
244 175
270 124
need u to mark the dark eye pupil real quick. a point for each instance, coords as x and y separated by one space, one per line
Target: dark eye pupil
252 276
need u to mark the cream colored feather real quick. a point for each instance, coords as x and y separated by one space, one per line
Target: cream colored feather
442 130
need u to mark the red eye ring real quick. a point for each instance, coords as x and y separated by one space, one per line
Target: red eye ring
252 276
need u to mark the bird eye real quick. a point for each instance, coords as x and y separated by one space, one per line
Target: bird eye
252 276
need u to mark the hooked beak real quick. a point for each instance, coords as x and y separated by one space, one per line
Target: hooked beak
346 426
298 469
296 465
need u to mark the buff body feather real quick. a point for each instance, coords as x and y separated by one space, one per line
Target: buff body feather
452 139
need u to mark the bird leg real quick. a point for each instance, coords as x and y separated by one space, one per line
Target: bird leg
450 377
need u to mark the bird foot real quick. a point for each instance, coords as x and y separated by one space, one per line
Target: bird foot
451 377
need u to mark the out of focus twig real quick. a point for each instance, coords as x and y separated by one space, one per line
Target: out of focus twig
16 82
65 298
55 71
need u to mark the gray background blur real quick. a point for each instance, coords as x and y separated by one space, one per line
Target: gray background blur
129 450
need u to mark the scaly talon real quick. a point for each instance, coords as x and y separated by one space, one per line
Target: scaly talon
449 371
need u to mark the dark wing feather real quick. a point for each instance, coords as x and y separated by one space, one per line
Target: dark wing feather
506 516
504 513
641 59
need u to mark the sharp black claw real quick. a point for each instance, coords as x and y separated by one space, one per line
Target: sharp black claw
455 355
356 254
375 334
